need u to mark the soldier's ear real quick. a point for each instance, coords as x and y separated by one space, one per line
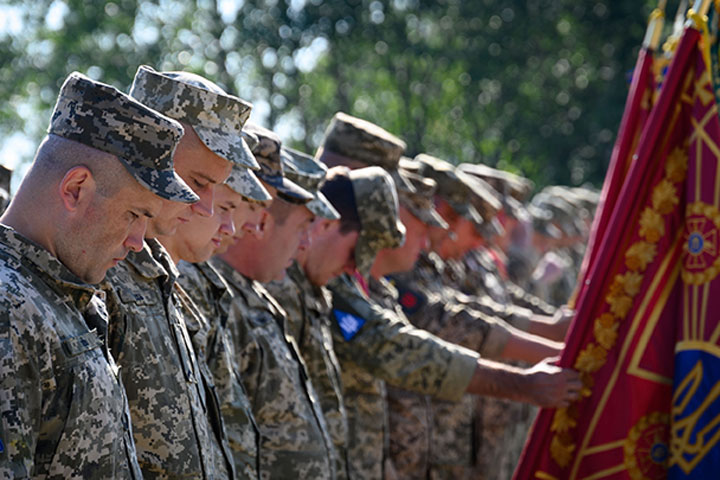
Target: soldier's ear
76 188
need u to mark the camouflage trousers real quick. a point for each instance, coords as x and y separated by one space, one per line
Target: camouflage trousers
452 439
502 427
409 425
366 435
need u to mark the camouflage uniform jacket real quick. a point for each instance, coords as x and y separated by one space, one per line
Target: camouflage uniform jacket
63 410
294 438
374 343
447 427
308 309
167 391
481 274
213 296
434 280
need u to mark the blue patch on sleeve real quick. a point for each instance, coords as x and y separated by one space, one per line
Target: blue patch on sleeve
349 324
2 447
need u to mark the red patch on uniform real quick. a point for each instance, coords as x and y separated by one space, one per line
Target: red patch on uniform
408 300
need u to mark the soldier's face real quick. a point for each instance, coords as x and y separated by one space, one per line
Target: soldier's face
106 230
249 219
281 242
403 258
331 252
464 239
203 171
196 240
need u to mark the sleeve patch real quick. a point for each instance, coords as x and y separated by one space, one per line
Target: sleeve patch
411 300
349 324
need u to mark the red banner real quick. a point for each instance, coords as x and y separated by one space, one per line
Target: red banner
651 293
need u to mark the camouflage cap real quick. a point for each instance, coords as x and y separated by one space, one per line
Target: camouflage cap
454 189
244 182
215 116
486 200
377 205
359 141
587 197
272 171
503 181
102 117
515 209
542 221
562 212
420 201
310 175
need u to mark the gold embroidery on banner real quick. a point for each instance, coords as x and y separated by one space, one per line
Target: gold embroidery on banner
620 298
701 262
645 450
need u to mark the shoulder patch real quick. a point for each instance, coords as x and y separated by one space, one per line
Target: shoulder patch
2 447
349 324
410 300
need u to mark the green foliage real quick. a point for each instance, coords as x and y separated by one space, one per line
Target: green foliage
534 86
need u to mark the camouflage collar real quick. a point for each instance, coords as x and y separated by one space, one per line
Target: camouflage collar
254 293
234 278
383 288
316 298
150 262
213 276
57 275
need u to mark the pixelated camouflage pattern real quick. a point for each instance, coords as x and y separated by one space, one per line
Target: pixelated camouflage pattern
503 181
450 426
272 170
499 426
447 278
102 117
480 275
455 426
310 175
63 410
294 438
361 141
409 415
501 429
308 309
563 214
486 200
244 182
217 117
166 389
409 426
388 348
420 201
213 297
377 206
452 186
200 331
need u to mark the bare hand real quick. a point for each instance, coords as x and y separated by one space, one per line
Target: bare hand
552 386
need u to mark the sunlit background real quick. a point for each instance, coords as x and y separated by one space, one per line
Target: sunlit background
534 86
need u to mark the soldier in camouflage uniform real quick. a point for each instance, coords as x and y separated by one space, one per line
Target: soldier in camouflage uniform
451 424
374 343
200 238
555 276
176 414
294 438
96 179
307 307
